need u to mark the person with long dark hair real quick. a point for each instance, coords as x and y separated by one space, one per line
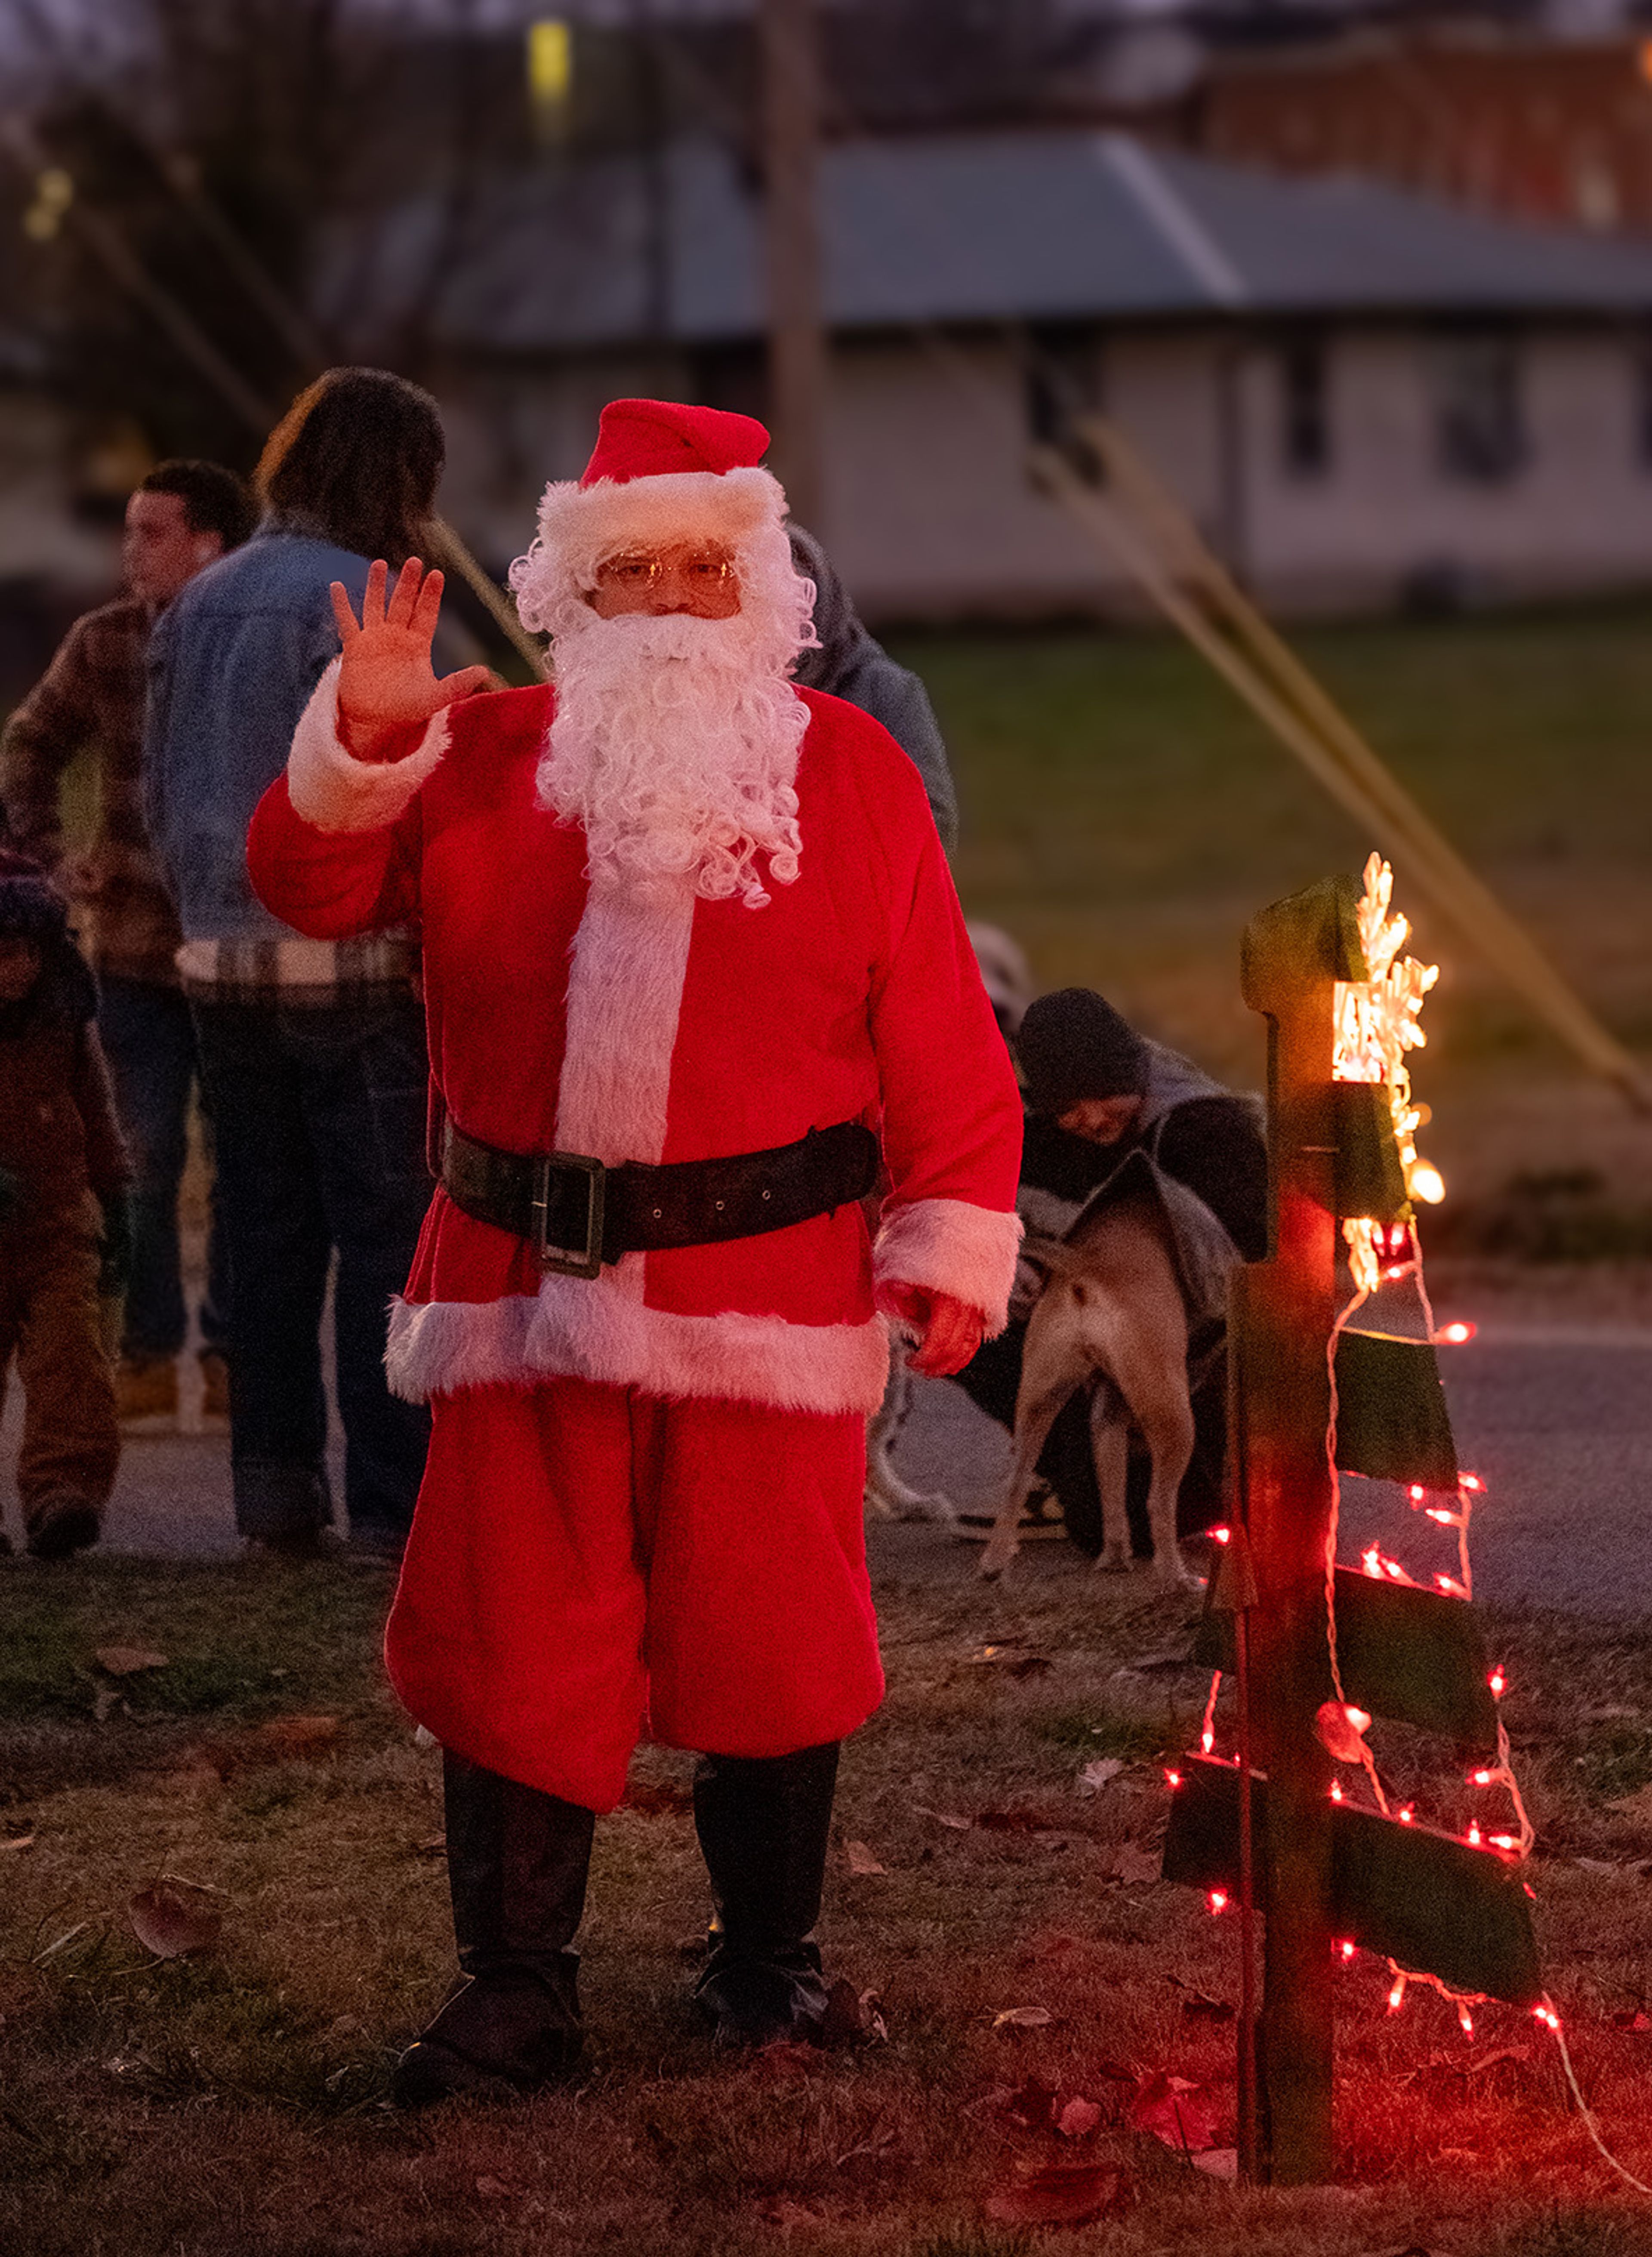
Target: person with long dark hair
312 1052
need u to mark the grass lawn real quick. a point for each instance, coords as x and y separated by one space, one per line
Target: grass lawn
1124 819
232 2102
1124 815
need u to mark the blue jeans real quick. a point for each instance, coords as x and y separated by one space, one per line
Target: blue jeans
319 1125
150 1037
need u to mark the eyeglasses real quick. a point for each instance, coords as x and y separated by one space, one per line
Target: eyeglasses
701 568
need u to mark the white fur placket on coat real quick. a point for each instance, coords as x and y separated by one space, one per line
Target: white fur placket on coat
629 959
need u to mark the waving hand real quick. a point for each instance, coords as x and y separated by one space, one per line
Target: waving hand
386 687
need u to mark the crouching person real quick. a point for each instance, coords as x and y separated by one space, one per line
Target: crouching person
694 972
64 1225
1107 1108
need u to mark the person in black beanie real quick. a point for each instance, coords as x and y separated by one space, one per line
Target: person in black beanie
65 1231
1098 1093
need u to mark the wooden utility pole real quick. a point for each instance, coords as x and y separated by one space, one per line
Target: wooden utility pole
1282 1317
790 82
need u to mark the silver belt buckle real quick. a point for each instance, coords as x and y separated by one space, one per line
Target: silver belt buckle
563 1261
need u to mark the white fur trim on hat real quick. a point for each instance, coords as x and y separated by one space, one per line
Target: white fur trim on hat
951 1246
334 792
585 524
594 1329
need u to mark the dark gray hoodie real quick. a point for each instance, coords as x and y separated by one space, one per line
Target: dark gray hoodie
851 664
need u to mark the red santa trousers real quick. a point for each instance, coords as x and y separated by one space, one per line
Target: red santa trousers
588 1562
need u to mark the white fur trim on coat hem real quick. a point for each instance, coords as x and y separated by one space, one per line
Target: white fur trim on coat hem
334 792
951 1246
586 1329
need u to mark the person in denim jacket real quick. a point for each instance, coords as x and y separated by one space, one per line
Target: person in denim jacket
312 1052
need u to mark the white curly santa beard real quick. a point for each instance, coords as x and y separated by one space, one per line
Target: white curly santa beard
675 745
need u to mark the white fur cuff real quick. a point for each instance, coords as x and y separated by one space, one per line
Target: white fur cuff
951 1247
334 792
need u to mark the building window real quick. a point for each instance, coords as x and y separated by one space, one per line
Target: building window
1062 384
1304 407
1479 418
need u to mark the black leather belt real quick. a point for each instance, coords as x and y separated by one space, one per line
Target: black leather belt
580 1213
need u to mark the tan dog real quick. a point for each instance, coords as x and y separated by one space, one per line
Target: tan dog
1113 1309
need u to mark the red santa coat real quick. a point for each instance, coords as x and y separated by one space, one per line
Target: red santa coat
644 1489
570 1018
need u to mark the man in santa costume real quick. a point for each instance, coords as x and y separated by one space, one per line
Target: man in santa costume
695 975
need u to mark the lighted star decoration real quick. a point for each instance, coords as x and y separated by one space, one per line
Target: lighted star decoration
1377 1020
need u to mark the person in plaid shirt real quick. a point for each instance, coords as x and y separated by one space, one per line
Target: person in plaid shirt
183 516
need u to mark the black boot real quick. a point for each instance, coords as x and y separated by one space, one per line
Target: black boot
764 1823
517 1862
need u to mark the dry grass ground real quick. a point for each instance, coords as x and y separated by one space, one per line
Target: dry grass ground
232 2102
1124 819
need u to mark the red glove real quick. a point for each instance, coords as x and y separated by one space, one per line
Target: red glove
948 1330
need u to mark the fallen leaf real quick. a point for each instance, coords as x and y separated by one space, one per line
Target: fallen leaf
1220 2162
436 1846
105 1700
19 1840
1023 2018
1077 2117
279 1739
298 1735
1057 2194
780 2211
1456 2066
172 1918
1627 2017
1012 1659
1600 1865
1174 2111
1095 1775
1016 1821
127 1661
944 1818
1338 1733
1127 1862
492 2190
788 2057
1197 2007
1172 1658
1459 2154
859 1859
851 2016
1030 2105
657 1798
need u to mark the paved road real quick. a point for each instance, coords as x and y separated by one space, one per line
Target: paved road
1557 1423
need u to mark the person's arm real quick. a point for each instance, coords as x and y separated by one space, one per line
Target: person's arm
56 720
952 1112
333 846
108 1169
1213 1145
155 779
894 695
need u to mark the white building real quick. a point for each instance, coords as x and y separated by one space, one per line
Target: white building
1362 395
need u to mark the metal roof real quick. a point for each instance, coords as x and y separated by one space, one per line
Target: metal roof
982 228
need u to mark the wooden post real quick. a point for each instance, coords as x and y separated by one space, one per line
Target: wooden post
1282 1317
796 332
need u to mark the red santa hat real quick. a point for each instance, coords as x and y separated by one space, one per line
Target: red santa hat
661 471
